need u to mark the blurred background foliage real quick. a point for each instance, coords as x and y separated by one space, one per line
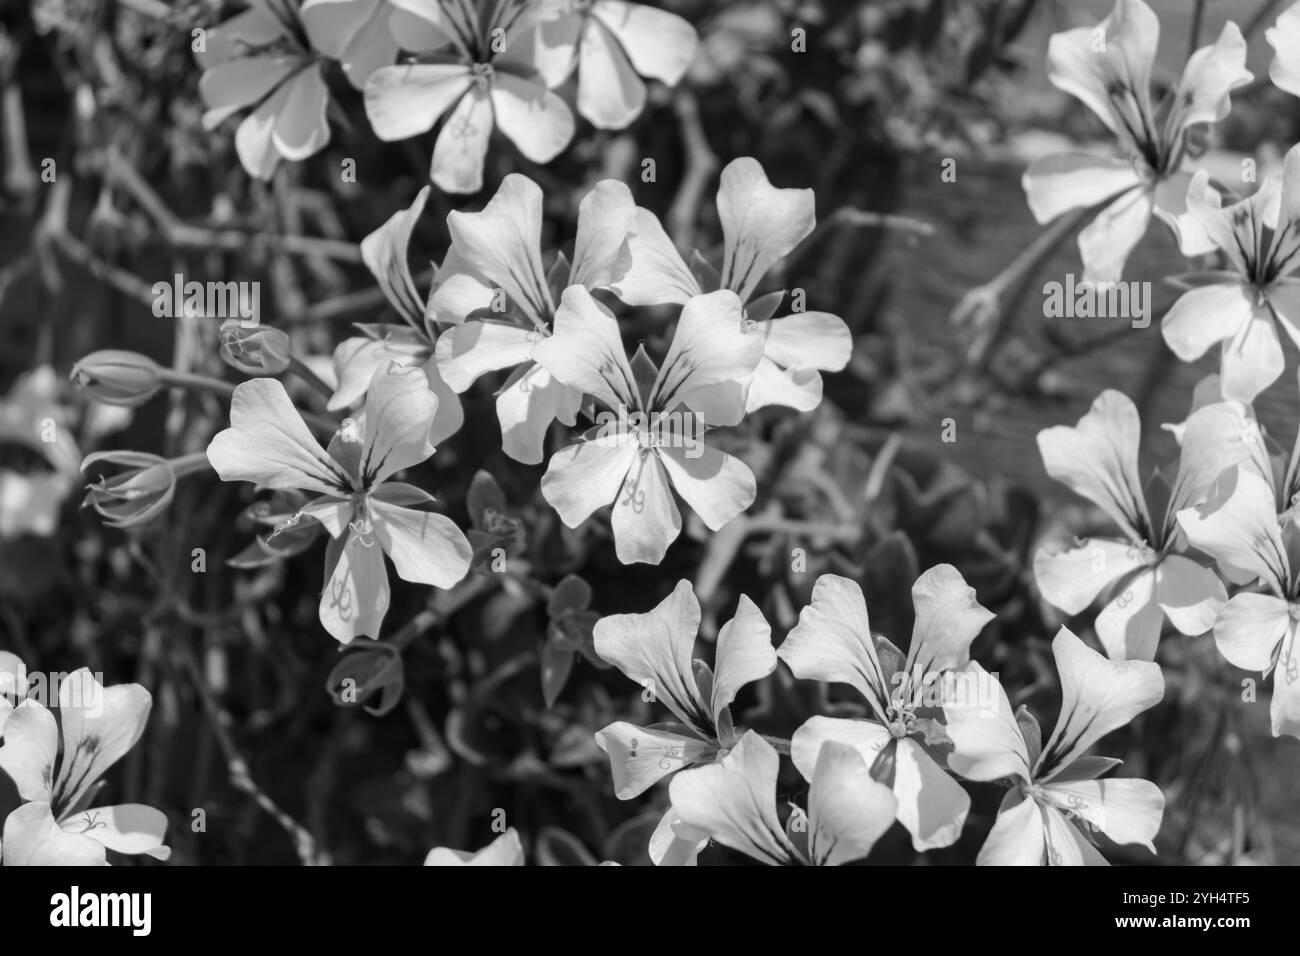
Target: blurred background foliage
486 696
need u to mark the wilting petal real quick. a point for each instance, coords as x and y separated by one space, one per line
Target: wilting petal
33 838
601 254
1071 580
457 164
708 347
130 828
355 597
1097 696
716 485
536 120
425 548
268 444
645 518
655 649
1129 625
1018 837
404 101
586 352
987 742
640 758
505 850
1190 595
848 811
31 744
948 619
527 407
661 45
1126 810
744 654
760 223
657 275
400 408
832 642
587 475
610 94
1239 527
1105 243
503 243
1249 629
1098 457
1058 184
734 801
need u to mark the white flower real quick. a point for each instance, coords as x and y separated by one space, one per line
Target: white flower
1056 800
13 685
652 445
833 642
354 32
56 825
656 651
495 269
734 802
1284 38
1256 632
480 71
32 415
357 359
1148 578
611 42
1240 309
365 514
257 59
760 226
505 850
1108 68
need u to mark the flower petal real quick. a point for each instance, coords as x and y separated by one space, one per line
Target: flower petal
300 128
1284 38
33 838
931 804
31 746
1105 243
1126 810
536 120
586 351
744 654
1211 73
658 275
426 548
948 619
1190 595
130 828
400 408
661 45
716 485
1018 837
527 407
987 742
404 101
384 252
640 758
610 94
1058 184
474 348
1072 579
355 597
848 811
458 155
601 253
709 346
1250 628
588 475
760 223
1239 527
1130 623
645 518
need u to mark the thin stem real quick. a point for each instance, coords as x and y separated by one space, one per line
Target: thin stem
299 368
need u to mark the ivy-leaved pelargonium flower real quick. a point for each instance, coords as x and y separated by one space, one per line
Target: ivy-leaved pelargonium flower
656 650
613 44
650 440
900 742
356 359
264 59
56 766
1056 803
1145 572
499 300
366 514
477 64
761 224
1256 631
1108 68
734 802
1240 308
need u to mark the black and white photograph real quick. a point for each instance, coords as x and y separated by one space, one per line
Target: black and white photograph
681 433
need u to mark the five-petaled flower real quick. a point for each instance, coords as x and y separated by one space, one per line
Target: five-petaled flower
1056 803
56 825
1241 308
1149 578
656 650
1108 68
833 642
654 447
365 513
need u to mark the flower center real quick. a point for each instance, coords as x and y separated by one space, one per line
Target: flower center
481 74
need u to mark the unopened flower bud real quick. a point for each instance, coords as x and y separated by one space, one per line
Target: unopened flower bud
259 350
118 378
